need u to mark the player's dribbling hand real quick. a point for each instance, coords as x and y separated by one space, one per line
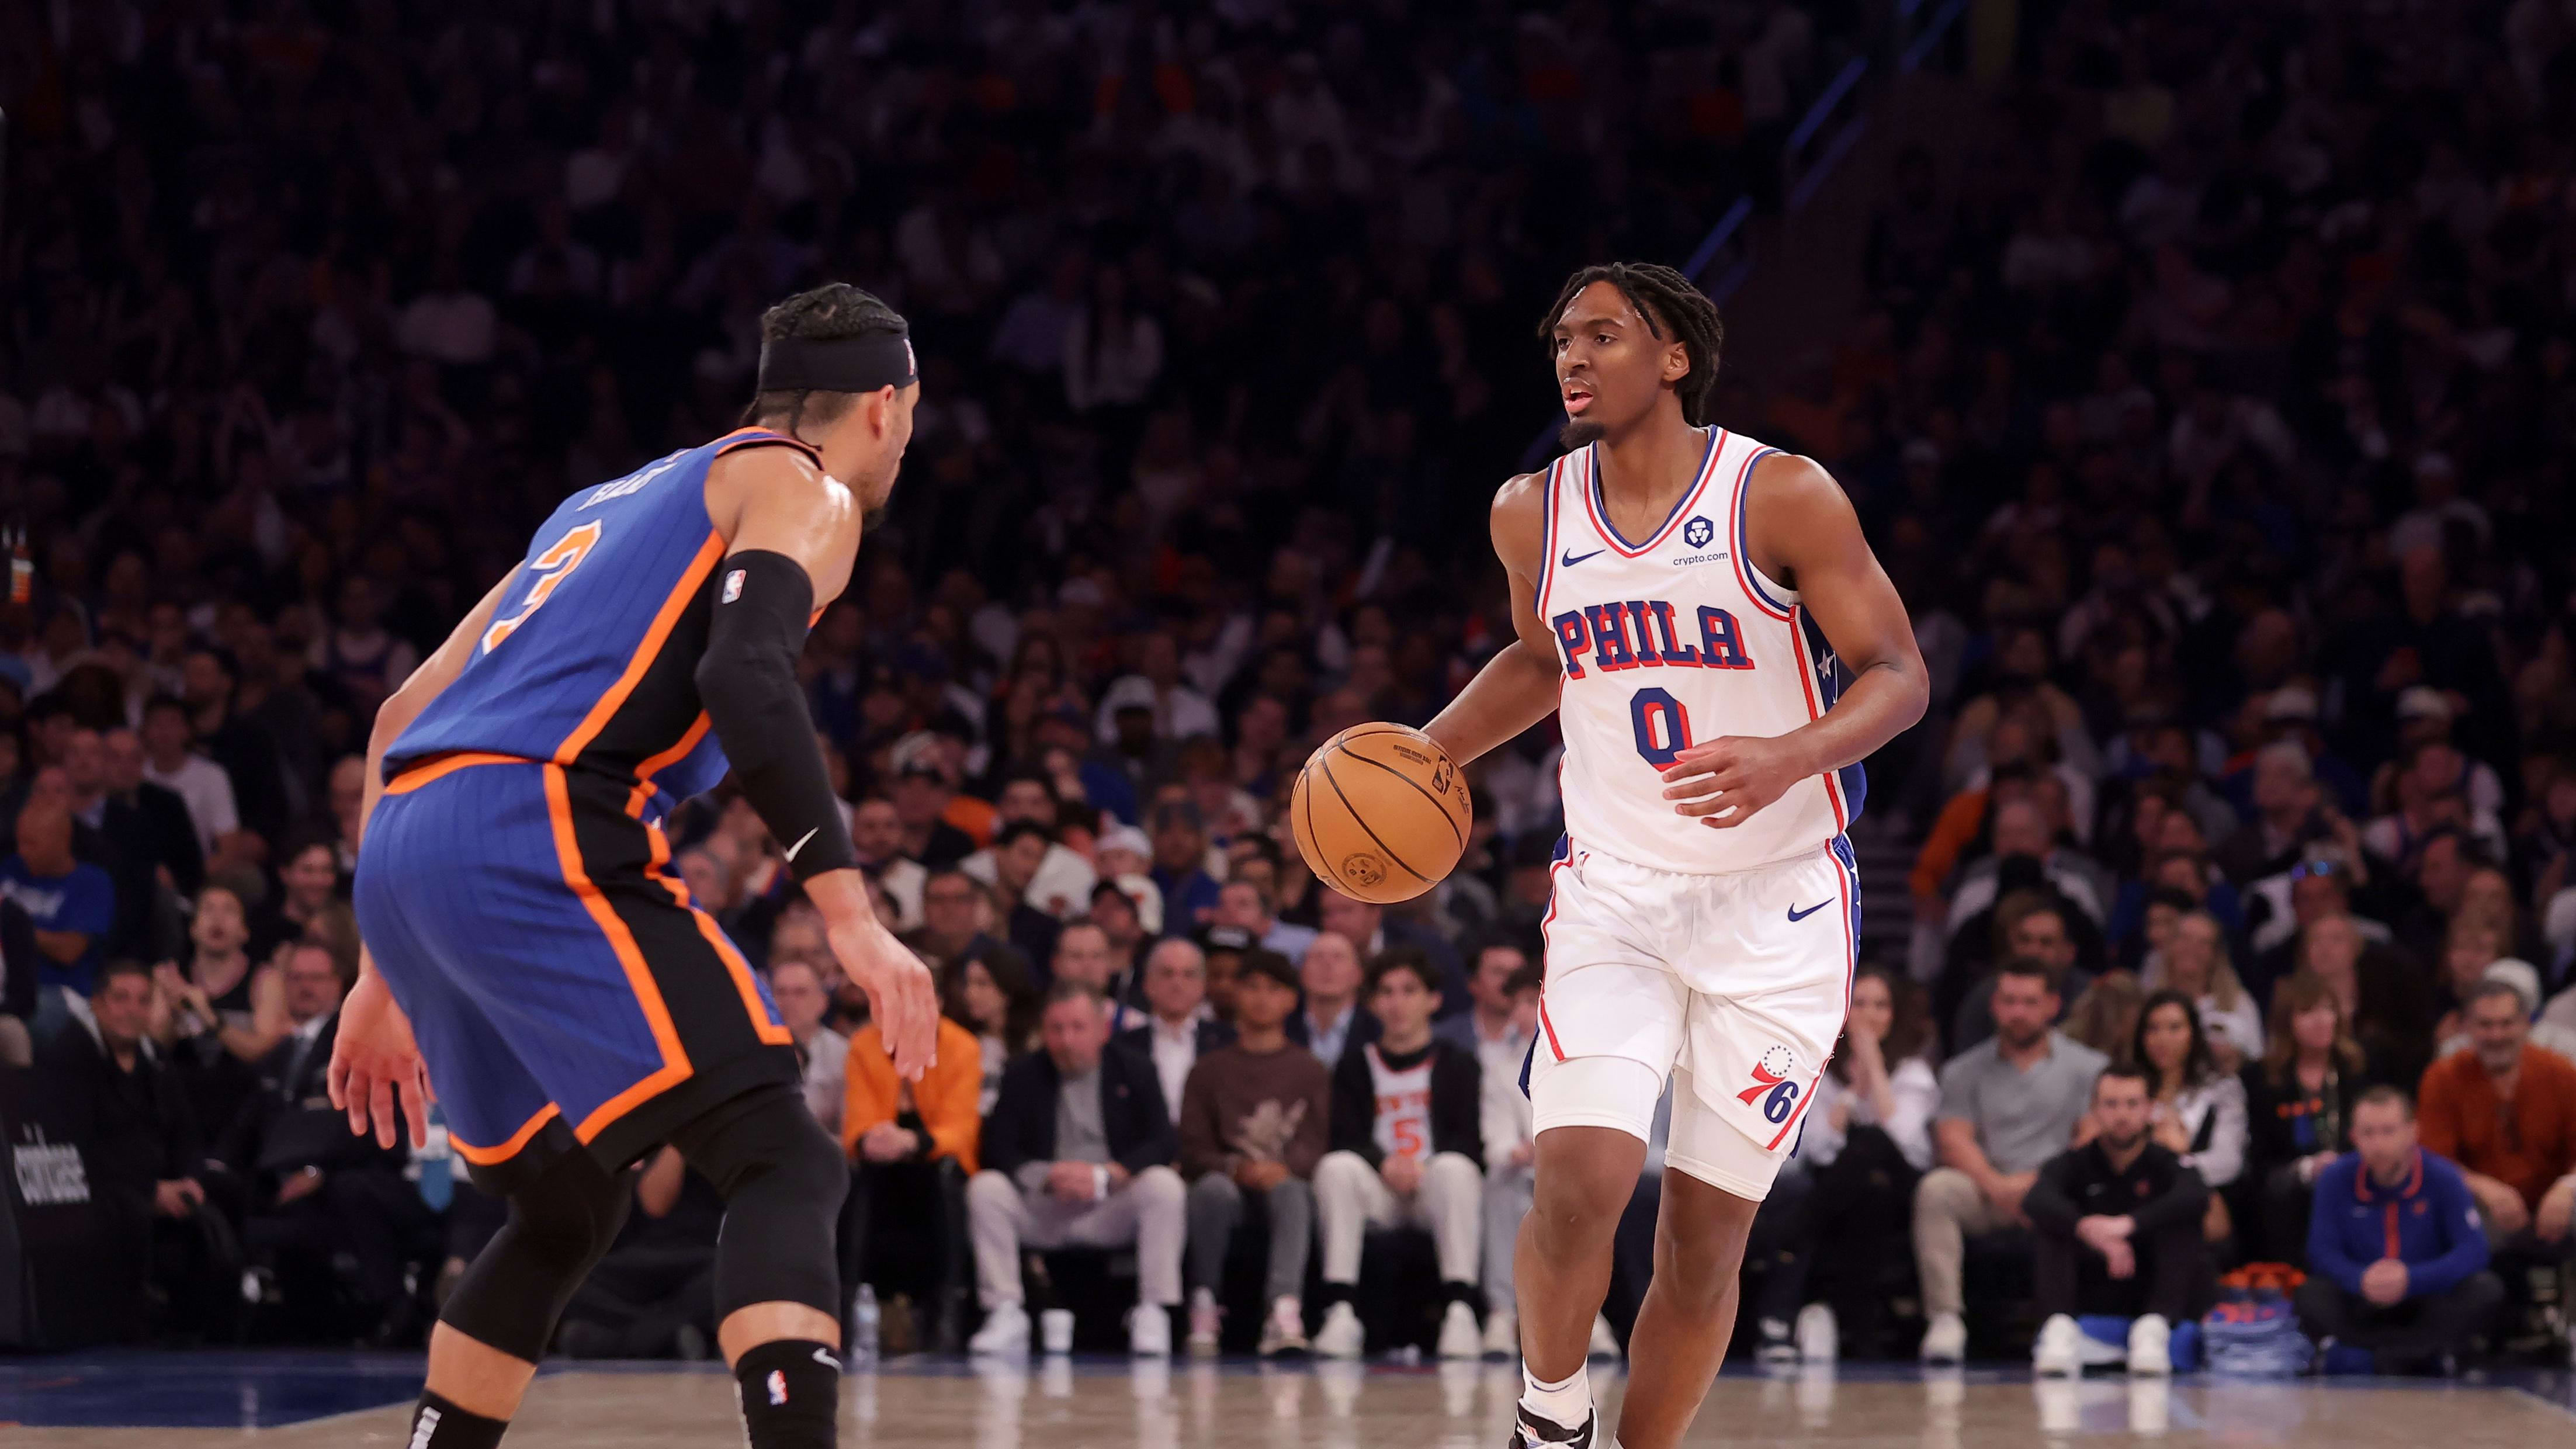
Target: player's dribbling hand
901 999
1737 774
376 1074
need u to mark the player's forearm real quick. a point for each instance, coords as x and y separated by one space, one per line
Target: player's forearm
1515 690
1883 701
841 896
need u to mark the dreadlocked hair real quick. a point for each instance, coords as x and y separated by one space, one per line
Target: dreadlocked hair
1672 307
827 313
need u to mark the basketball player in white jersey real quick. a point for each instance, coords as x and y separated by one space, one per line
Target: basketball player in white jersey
1722 650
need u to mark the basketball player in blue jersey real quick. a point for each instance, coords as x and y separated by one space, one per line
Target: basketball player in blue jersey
1717 685
571 1006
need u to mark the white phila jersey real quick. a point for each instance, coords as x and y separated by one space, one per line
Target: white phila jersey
1671 642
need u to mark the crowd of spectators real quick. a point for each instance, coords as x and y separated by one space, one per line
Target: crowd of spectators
2210 403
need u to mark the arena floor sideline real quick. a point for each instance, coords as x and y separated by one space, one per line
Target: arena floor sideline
125 1401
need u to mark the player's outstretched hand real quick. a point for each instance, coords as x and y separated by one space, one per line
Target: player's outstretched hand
376 1074
1734 774
901 997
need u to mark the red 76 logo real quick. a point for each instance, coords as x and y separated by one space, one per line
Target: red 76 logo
1771 1075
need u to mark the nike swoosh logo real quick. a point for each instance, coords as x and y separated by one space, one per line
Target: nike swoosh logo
1572 558
800 844
1796 915
823 1356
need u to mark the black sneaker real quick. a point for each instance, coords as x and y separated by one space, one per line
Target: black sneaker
1533 1432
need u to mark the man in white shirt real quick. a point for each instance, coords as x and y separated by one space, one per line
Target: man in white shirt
170 764
1061 885
1176 1032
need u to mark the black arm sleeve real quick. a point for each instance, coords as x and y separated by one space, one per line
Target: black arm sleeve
747 681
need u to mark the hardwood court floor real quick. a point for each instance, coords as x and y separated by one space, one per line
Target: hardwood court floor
1103 1405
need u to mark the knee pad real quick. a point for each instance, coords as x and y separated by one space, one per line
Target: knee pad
782 1181
560 1225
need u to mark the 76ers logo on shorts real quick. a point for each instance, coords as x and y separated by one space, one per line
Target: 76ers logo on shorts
1772 1075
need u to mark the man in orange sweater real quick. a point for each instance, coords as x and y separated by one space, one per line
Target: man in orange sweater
912 1147
2505 1110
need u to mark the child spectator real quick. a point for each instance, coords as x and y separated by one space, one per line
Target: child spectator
1255 1120
1407 1151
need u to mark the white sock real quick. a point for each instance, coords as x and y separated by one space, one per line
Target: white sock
1568 1403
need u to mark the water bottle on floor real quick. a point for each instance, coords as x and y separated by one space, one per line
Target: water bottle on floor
863 1327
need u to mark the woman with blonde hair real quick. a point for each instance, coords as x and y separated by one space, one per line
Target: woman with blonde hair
2106 1015
2299 1107
2194 962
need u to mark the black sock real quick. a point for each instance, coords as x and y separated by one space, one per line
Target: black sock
1338 1292
1466 1293
791 1394
438 1424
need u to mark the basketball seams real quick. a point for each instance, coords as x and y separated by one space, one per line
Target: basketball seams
1365 829
1368 732
1436 801
1359 845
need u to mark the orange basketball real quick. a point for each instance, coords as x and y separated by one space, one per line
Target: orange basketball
1380 813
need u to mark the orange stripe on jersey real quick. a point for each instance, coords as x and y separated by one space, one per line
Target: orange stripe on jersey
735 965
752 437
639 977
653 764
487 1156
419 775
691 581
767 1030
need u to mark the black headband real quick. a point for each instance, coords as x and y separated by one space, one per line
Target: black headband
842 364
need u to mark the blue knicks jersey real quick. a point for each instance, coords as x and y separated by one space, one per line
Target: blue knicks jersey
591 658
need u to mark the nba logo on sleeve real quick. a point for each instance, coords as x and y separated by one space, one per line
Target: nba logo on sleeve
732 586
1772 1075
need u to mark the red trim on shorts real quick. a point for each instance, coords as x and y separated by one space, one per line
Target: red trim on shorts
1851 960
1544 922
1550 1027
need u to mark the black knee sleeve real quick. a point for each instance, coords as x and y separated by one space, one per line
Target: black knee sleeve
782 1181
560 1224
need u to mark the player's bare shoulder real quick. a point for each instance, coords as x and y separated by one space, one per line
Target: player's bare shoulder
779 498
1519 522
773 476
1794 481
1793 507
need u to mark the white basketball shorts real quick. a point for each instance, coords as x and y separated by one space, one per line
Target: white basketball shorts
1734 986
